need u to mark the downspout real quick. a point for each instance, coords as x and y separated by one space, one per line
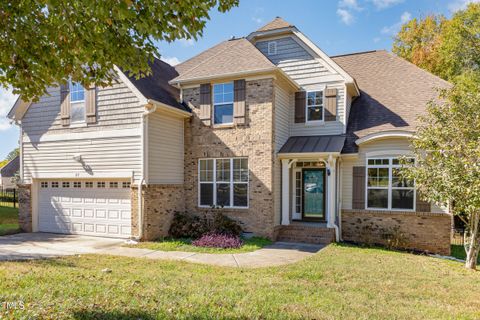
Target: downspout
144 131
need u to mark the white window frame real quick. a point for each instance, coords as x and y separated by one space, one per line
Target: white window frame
232 183
271 51
77 103
322 90
390 168
222 104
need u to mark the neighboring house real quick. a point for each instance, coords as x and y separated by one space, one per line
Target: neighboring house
292 143
8 174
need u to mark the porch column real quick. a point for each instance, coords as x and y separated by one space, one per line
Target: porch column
331 189
285 192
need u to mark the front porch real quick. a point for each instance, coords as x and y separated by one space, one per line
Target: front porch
310 189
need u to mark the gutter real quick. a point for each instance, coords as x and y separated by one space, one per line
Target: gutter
144 131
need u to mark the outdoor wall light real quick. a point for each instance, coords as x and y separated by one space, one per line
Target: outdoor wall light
77 157
328 171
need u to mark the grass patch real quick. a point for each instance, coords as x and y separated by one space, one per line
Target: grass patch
458 252
340 282
8 221
169 244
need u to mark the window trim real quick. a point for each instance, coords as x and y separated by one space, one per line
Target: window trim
390 168
231 183
222 104
322 121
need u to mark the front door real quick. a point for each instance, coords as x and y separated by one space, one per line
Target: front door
313 194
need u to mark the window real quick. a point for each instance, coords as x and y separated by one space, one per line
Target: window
44 184
314 110
223 182
126 185
89 184
77 102
55 184
272 48
77 184
65 184
101 184
113 184
223 103
386 189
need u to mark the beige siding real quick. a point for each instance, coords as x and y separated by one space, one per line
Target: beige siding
165 149
101 157
117 108
326 128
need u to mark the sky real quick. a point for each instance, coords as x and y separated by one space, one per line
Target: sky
336 26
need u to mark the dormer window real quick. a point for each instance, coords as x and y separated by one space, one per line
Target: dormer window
272 48
77 102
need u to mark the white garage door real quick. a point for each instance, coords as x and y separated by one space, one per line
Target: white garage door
99 208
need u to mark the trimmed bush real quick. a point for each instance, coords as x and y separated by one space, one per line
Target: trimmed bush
187 226
224 225
217 240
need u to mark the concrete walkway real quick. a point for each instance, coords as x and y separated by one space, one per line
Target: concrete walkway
44 245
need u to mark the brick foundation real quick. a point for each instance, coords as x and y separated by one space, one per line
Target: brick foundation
422 231
160 203
25 207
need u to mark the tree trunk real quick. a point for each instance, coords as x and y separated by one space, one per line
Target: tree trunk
474 243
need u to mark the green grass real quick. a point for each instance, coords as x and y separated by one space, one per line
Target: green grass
249 245
340 282
459 253
8 221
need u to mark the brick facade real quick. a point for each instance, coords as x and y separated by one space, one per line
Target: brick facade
254 140
25 207
160 203
422 231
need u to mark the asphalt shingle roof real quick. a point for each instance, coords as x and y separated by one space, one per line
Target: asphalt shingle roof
277 23
227 57
10 168
156 86
394 93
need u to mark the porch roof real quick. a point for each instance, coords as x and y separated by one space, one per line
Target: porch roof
314 144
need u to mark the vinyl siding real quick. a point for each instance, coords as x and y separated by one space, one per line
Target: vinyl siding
311 73
282 106
48 147
388 147
165 149
100 156
117 108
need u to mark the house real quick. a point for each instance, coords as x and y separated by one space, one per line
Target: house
8 174
292 143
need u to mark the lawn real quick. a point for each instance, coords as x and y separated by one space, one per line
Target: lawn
459 253
8 220
340 282
249 245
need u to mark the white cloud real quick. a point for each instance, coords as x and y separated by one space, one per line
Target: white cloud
7 99
376 40
460 4
345 10
345 16
394 28
349 4
171 60
256 17
186 42
257 20
383 4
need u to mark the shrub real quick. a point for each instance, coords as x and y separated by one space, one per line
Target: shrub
217 240
187 226
224 225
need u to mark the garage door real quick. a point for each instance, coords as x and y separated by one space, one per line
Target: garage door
99 208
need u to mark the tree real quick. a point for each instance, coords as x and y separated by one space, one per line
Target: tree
447 148
45 42
12 154
445 47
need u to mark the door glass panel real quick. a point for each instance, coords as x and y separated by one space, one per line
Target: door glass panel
313 194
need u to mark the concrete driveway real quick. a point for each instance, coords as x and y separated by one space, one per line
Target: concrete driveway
23 246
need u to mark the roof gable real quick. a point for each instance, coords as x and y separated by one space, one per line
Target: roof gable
277 23
228 57
10 168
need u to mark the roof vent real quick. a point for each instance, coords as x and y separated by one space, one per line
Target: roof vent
272 47
232 37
